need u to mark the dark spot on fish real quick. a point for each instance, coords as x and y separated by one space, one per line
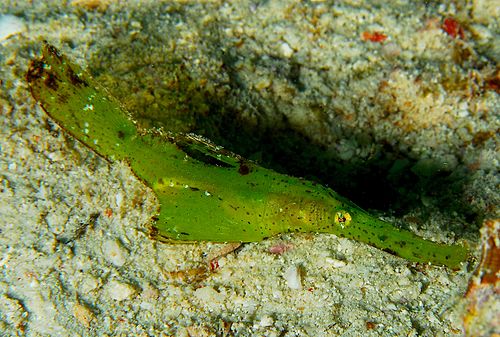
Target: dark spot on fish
244 169
382 237
75 79
184 233
35 70
63 98
51 81
194 188
121 134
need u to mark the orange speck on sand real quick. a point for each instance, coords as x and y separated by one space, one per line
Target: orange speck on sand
214 265
108 212
373 36
493 82
453 28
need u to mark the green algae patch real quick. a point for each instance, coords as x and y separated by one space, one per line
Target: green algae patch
166 97
207 193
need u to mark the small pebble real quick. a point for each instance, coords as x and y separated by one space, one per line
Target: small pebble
266 321
56 222
286 50
263 83
211 298
114 253
119 291
335 263
88 284
83 314
206 294
293 278
118 199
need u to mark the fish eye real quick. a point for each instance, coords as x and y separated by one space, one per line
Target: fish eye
342 218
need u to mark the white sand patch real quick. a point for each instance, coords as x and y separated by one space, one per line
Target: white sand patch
10 25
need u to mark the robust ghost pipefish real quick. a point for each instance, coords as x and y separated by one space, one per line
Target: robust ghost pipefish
206 193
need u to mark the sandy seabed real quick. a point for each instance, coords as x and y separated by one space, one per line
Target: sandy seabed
416 85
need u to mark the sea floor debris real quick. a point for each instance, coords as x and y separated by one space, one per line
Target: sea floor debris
483 295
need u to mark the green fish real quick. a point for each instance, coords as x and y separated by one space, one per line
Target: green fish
205 192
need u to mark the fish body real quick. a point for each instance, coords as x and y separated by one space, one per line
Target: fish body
207 193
